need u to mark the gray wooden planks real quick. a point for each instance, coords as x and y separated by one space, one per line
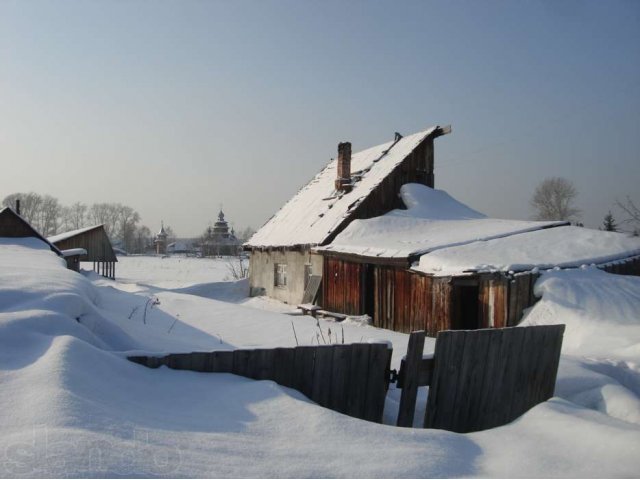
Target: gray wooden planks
376 389
311 291
350 379
486 378
413 360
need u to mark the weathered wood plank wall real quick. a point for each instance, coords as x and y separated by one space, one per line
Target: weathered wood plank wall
350 379
98 247
406 301
343 286
95 242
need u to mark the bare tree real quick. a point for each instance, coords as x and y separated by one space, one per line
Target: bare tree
43 212
104 214
246 234
29 204
74 216
238 266
127 221
632 212
553 199
142 239
49 216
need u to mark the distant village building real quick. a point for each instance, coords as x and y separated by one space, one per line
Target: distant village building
95 244
161 241
180 246
219 240
89 244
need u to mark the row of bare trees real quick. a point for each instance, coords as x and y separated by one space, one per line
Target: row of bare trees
554 199
50 217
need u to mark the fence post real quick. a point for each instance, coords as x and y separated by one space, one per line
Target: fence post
406 411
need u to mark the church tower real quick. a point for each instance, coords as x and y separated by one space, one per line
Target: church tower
161 241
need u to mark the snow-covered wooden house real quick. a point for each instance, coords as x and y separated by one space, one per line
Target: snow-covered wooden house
437 264
359 186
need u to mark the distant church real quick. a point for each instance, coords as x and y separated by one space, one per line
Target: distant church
219 240
160 241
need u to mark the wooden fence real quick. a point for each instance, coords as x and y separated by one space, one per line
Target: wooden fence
350 379
480 379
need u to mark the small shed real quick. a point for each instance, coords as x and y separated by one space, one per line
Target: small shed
95 242
12 225
73 256
440 265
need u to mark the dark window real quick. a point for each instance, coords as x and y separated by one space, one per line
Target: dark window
280 274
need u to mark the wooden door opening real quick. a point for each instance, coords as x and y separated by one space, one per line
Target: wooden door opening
465 314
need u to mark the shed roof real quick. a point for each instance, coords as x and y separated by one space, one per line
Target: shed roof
13 225
433 220
72 233
317 210
563 247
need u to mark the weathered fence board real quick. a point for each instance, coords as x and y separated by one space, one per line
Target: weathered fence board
358 382
350 379
376 391
486 378
340 377
410 384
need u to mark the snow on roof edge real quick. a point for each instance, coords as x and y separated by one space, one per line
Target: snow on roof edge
562 247
72 233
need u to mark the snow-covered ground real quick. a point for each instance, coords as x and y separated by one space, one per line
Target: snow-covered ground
72 405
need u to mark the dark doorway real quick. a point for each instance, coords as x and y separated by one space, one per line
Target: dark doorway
464 311
368 291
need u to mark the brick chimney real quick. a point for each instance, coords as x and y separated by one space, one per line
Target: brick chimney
18 206
343 178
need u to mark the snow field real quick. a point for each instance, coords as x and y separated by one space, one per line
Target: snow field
73 406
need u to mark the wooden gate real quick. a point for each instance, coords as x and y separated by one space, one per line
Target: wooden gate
480 379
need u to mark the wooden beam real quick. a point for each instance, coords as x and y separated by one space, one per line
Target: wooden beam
406 411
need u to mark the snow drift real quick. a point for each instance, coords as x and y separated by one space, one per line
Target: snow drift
71 405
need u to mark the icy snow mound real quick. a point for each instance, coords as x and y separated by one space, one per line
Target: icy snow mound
601 311
600 366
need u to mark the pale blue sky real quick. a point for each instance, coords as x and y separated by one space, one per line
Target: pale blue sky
176 107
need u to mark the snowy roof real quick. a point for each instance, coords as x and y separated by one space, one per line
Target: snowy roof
317 209
72 252
64 236
433 220
555 247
